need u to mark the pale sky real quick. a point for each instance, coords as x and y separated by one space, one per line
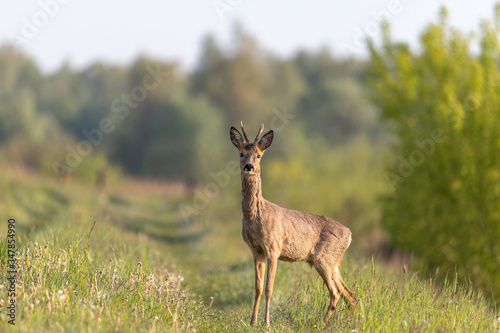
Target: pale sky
116 31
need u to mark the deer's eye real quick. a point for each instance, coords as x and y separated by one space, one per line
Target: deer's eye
241 154
258 156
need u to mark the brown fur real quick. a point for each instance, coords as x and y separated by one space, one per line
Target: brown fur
274 233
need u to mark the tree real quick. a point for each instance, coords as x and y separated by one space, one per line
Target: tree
334 102
186 142
62 95
442 104
166 133
237 81
134 110
20 81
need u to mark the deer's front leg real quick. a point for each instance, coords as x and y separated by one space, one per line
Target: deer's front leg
272 262
260 265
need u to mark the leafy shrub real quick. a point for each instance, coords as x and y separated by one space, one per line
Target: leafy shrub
442 104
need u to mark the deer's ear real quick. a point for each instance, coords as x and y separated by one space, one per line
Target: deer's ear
266 140
236 137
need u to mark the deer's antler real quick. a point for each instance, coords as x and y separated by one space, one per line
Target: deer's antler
258 134
243 130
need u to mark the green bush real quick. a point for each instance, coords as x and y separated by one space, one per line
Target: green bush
442 104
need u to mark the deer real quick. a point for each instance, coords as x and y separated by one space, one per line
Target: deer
275 233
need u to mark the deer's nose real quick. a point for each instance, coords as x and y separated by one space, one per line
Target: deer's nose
248 168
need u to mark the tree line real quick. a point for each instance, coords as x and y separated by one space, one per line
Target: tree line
155 119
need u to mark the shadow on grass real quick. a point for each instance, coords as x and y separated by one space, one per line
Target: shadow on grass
159 229
41 207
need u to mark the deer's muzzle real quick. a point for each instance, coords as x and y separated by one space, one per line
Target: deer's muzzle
248 168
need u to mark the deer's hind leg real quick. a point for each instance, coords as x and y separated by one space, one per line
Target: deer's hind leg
348 296
326 273
327 260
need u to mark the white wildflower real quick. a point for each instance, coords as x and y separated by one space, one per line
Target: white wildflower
60 294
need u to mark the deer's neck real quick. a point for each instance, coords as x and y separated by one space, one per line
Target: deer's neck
252 197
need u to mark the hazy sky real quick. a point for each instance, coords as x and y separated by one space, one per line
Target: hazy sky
116 31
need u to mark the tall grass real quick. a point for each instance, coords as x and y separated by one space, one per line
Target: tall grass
388 301
66 288
78 275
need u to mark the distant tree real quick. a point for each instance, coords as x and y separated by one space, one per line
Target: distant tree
167 133
287 84
136 108
100 86
186 141
237 81
62 95
18 89
334 103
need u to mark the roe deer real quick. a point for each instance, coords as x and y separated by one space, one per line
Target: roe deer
274 233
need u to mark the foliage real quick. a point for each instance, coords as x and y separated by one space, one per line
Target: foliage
442 104
237 81
20 81
334 103
187 130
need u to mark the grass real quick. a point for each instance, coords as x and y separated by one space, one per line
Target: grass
142 268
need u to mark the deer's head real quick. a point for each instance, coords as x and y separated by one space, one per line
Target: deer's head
250 152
